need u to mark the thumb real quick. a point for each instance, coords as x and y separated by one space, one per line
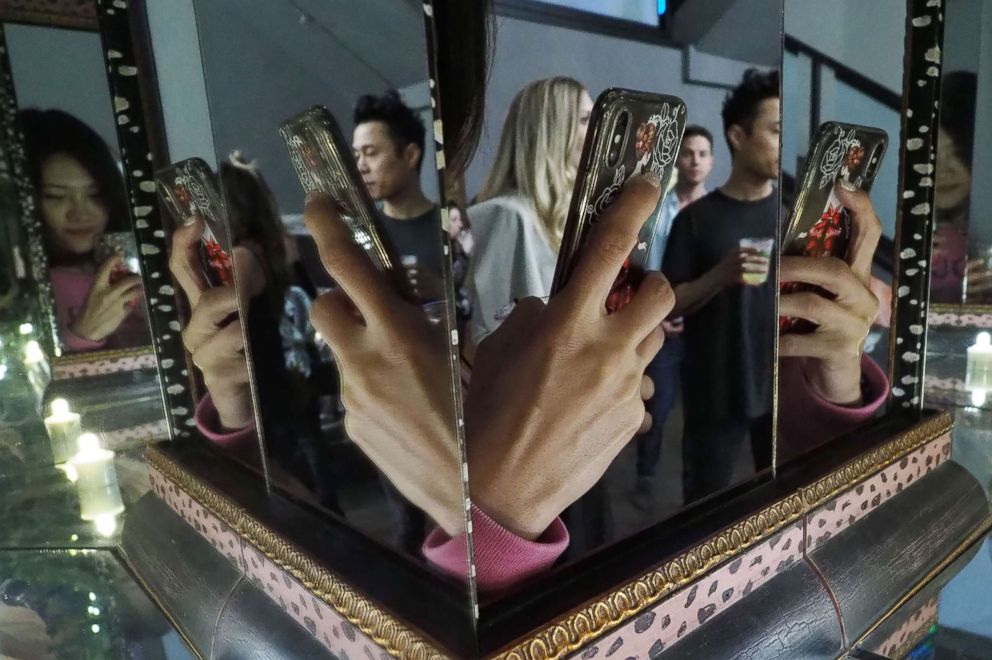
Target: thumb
866 230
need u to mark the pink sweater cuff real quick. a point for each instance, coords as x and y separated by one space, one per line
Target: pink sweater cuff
208 423
502 558
76 344
807 420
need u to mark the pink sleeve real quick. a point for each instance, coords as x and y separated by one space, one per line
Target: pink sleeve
502 558
806 420
76 344
241 441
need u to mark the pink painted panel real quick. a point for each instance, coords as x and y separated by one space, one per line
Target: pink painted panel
670 621
920 620
850 506
331 629
103 365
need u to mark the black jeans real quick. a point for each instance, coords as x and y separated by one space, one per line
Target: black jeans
711 448
664 371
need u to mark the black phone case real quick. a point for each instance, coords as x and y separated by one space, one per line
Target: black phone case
818 225
652 140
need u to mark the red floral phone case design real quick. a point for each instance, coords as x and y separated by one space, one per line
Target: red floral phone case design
820 226
189 190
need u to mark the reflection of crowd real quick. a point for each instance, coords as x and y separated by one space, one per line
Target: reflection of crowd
557 389
723 325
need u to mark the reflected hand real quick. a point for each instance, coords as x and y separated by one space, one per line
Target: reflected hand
832 352
213 334
107 305
738 262
393 363
557 389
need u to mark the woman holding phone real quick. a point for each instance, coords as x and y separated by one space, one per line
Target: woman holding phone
80 197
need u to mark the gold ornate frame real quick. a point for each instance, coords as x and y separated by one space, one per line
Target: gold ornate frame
394 636
573 630
73 14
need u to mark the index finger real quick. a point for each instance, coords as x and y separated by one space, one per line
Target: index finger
102 277
346 262
613 238
866 230
184 262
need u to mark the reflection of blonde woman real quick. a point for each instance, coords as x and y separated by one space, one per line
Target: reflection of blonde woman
519 221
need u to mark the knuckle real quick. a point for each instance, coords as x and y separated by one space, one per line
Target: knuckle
806 303
657 285
612 245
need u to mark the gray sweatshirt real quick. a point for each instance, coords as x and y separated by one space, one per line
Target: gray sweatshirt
512 260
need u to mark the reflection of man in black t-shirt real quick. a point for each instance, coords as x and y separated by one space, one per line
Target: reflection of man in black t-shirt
388 143
729 323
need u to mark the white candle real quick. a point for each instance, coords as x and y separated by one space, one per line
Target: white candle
978 376
63 428
99 492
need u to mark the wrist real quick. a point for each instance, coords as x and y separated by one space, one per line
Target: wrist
521 521
234 409
836 381
83 331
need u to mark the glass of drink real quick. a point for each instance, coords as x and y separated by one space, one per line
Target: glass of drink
762 247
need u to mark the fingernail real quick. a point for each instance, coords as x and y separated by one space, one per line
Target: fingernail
651 178
847 185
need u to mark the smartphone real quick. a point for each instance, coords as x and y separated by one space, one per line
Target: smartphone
119 243
819 225
324 163
630 133
189 189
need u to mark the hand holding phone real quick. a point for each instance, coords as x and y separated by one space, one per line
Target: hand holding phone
190 192
118 244
585 368
630 134
841 155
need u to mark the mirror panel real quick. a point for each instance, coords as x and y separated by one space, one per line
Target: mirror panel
878 66
352 398
75 332
959 289
76 171
961 259
845 63
704 437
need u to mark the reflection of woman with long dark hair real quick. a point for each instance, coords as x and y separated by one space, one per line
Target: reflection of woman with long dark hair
80 196
291 373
